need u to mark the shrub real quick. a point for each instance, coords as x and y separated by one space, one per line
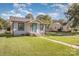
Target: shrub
28 34
75 29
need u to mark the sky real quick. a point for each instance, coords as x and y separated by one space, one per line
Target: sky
55 10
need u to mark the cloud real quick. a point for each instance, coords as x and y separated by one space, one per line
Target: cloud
54 15
19 15
60 9
22 8
41 13
59 6
30 9
15 5
11 13
29 4
5 16
19 5
23 11
45 4
19 12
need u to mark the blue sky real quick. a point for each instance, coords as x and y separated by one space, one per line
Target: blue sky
55 10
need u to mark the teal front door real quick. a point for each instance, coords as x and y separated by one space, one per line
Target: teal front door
34 27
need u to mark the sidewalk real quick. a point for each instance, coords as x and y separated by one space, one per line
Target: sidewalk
63 43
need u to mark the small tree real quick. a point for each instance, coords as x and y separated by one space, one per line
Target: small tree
73 14
46 19
29 16
2 23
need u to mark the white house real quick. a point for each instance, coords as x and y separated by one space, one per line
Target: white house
66 28
22 26
55 26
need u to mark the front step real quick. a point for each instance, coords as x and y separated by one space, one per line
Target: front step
36 34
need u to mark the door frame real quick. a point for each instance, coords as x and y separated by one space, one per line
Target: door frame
34 27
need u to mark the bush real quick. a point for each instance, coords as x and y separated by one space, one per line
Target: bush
75 29
2 35
28 34
6 34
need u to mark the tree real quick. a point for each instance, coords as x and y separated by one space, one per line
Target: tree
46 19
29 16
2 23
73 14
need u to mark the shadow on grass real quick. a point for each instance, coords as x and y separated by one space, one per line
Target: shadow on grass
62 33
6 35
47 34
10 36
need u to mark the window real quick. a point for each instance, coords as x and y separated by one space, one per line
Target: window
21 26
41 26
46 27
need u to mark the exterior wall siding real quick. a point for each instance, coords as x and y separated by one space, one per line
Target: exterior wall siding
15 29
56 26
27 29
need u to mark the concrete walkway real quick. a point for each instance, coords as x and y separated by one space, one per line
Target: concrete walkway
63 43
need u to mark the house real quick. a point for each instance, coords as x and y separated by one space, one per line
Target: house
55 25
58 25
66 28
23 26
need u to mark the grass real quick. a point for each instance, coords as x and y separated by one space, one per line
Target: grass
33 46
72 39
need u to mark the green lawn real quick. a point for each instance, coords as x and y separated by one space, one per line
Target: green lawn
28 45
72 39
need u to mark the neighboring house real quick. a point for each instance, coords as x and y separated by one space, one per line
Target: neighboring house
23 26
60 26
55 26
66 28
